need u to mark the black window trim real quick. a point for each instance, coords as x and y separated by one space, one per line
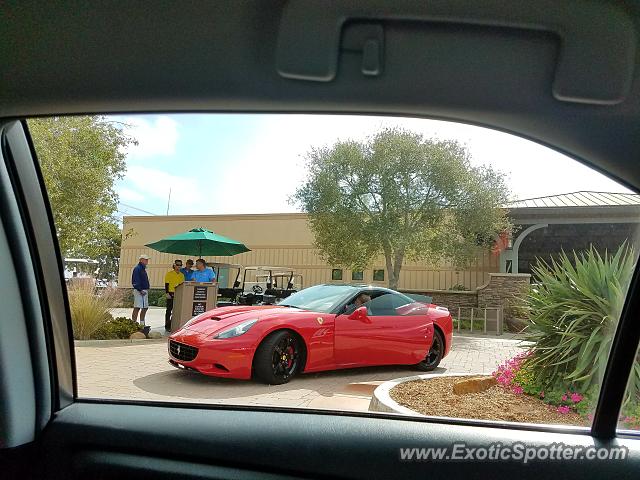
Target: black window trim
622 355
48 271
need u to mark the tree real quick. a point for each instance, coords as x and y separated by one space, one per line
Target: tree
400 195
81 158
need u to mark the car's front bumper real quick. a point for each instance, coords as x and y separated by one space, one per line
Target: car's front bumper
228 358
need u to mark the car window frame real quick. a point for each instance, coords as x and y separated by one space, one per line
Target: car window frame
604 425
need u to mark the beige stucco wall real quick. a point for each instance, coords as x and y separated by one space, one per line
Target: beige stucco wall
278 240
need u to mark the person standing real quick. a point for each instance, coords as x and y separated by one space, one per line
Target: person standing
140 282
172 279
188 271
202 272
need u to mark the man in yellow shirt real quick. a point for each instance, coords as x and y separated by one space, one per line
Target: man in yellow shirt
172 279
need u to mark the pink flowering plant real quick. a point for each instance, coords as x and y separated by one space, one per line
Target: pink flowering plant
630 417
573 309
514 376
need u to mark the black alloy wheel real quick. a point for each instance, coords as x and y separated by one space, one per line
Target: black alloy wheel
434 356
278 358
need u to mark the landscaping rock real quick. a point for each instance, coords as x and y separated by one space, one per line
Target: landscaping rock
155 335
137 336
474 385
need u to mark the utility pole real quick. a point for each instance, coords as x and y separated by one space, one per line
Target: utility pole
169 201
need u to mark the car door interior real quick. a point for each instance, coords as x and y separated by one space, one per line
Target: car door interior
563 74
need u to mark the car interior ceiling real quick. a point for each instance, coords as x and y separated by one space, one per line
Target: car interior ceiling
567 77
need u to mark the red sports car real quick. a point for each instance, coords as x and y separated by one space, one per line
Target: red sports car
325 327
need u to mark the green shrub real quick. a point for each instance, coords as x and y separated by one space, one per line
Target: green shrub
157 298
574 310
161 301
630 417
90 310
465 324
127 298
120 327
526 378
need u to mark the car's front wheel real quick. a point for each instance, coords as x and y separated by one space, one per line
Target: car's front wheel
278 358
435 354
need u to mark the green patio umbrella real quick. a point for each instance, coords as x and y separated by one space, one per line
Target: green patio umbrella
200 241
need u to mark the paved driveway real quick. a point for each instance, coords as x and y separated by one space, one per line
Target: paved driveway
140 371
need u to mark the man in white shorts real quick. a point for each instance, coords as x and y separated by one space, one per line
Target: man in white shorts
140 282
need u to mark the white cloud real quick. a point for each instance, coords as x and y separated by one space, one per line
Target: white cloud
268 173
155 136
188 194
267 166
129 195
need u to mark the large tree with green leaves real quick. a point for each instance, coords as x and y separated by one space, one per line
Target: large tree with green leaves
400 195
81 159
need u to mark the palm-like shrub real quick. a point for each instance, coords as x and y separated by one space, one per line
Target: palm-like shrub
90 310
574 310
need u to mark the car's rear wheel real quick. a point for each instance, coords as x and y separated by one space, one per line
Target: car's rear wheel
278 358
435 354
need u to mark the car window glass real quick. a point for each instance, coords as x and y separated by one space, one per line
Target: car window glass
525 255
321 298
386 304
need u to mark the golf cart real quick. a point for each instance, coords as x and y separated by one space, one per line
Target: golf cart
227 289
268 285
284 283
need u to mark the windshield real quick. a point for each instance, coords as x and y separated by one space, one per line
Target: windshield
321 298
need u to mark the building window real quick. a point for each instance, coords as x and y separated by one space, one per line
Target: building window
378 275
336 274
357 275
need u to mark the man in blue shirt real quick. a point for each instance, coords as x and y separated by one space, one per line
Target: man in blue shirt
202 272
140 283
187 271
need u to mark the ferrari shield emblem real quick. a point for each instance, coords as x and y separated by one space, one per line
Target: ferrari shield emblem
320 320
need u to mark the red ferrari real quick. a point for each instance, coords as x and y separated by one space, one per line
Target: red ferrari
325 327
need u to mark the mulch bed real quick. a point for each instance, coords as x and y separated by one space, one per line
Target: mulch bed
435 397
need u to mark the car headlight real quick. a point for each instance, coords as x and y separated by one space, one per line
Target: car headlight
237 330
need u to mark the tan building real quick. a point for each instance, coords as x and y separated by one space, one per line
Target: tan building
282 239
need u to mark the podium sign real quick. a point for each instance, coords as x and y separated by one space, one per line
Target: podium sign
192 299
198 308
200 293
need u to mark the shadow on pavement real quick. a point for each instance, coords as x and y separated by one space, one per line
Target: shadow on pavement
188 384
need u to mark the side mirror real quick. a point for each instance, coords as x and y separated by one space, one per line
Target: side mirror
359 313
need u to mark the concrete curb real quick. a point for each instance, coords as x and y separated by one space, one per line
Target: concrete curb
504 336
381 401
124 342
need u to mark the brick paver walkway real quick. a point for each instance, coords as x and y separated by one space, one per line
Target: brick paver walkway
140 371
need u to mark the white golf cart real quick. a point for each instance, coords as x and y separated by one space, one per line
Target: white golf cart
262 284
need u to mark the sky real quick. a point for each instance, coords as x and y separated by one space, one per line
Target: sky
252 163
